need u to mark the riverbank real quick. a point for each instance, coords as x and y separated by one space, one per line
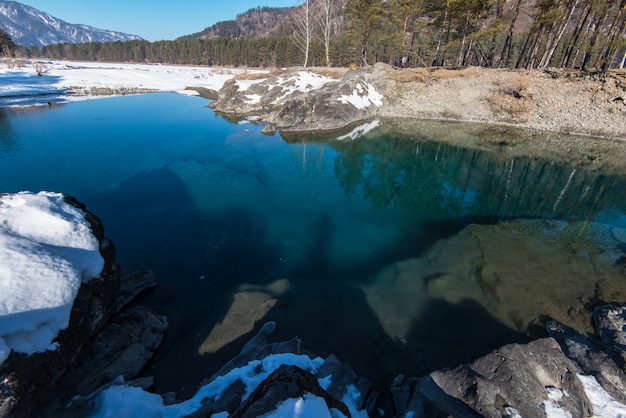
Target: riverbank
550 100
554 100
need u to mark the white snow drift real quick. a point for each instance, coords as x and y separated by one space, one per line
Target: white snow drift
47 250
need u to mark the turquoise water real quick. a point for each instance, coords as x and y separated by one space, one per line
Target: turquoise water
307 229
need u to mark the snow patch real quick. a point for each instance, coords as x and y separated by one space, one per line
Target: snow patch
602 404
244 85
47 250
363 96
551 406
116 401
351 398
301 81
253 99
308 406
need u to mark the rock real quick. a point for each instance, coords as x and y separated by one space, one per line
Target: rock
284 383
343 376
132 286
590 357
288 106
26 380
610 321
424 398
333 106
516 379
356 97
122 348
260 347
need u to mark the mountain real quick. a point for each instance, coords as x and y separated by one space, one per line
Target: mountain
255 23
28 26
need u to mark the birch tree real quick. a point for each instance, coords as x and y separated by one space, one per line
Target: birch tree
303 29
328 12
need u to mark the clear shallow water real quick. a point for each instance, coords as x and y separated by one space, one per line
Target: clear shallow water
396 252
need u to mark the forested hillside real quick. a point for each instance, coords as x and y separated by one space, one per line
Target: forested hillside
254 23
585 34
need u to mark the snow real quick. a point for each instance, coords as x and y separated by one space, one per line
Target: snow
125 401
253 98
308 406
551 405
363 96
603 405
244 85
300 81
60 76
47 250
350 399
303 81
117 400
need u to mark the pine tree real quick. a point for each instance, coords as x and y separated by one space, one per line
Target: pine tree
7 47
365 17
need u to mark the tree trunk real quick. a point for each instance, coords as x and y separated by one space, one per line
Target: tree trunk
594 36
551 47
603 61
443 28
576 35
506 50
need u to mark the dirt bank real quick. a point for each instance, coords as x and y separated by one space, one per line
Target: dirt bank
552 100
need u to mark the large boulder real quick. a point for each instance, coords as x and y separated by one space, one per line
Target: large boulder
516 380
305 101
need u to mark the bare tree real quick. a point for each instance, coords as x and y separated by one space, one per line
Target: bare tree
303 29
326 22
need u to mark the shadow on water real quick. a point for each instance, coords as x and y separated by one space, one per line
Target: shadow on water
448 334
152 216
315 265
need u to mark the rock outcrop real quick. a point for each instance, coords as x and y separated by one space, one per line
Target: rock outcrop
566 374
296 102
101 341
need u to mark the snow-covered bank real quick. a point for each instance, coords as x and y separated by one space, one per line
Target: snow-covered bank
21 85
47 250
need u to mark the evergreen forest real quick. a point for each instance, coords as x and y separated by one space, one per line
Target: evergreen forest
581 34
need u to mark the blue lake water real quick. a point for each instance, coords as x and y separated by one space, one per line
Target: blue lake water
392 251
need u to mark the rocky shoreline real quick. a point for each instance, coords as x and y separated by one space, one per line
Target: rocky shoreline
549 100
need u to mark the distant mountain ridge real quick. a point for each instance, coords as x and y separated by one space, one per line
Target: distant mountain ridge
28 26
255 23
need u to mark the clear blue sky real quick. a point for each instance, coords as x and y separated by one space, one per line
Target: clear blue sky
153 20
